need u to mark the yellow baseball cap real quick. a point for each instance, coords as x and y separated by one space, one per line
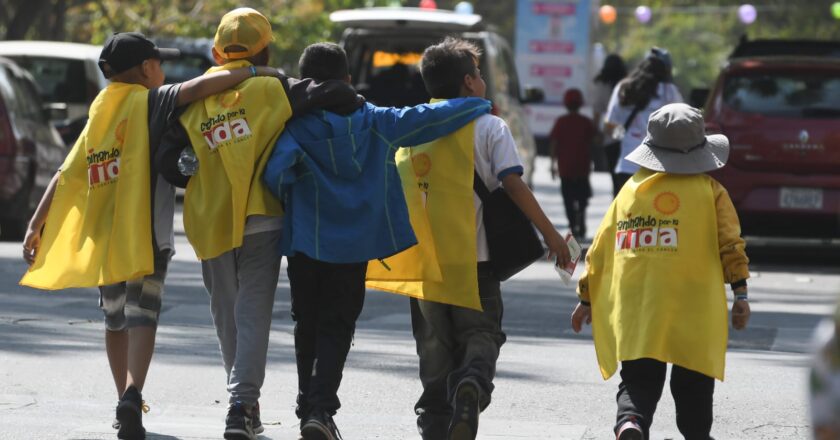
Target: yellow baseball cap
242 33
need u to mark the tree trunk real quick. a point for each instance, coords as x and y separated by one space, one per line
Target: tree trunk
25 16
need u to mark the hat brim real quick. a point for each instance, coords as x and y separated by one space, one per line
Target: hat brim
168 54
711 156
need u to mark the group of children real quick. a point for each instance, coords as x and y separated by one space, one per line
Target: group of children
308 170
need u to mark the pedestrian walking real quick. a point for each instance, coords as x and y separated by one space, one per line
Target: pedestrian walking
653 288
571 141
106 217
344 206
456 313
648 88
232 222
605 153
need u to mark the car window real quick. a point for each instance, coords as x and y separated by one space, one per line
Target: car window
29 105
59 79
185 68
783 94
7 89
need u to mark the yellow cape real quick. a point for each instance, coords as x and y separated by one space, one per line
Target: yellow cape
233 134
437 180
98 230
655 278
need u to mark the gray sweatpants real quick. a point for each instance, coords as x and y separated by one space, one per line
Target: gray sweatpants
241 284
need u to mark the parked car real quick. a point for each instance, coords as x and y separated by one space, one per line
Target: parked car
68 78
196 58
384 47
778 102
30 149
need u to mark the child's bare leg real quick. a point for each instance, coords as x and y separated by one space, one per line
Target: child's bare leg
116 345
141 342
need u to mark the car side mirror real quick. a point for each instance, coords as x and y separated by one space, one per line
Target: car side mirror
697 98
532 95
56 111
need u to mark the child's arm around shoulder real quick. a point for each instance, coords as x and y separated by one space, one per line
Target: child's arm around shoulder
217 82
426 122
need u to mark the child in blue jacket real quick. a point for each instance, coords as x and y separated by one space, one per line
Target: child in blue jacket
344 205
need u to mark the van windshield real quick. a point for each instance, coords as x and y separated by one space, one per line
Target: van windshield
785 94
386 70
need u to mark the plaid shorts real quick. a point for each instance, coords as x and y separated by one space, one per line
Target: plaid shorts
135 303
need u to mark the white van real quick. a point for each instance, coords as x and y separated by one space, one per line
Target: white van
384 47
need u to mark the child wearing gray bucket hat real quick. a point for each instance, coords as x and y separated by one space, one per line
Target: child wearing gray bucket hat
653 288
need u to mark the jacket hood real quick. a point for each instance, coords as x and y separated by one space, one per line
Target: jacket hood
339 144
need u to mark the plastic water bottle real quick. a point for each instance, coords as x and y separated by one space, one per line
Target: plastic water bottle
187 162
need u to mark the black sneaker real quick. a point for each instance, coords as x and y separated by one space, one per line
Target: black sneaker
256 423
319 426
130 415
238 423
464 424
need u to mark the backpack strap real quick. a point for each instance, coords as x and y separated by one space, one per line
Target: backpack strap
480 188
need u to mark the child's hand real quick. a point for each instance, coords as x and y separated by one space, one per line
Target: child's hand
558 248
31 243
581 313
740 314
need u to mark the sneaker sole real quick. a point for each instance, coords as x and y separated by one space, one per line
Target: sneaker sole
630 434
238 434
466 409
315 432
259 429
131 426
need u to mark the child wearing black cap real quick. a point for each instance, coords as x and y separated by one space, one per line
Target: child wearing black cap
106 217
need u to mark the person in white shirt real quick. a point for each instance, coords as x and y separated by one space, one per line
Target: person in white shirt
648 88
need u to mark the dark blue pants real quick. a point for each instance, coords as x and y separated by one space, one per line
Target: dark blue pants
456 344
327 299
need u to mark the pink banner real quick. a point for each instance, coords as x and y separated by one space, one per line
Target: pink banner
543 8
549 46
547 70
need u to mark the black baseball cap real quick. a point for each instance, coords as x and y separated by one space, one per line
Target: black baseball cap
124 50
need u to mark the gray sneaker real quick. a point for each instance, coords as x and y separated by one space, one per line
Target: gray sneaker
238 423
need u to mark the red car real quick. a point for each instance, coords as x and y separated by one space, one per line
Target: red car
778 102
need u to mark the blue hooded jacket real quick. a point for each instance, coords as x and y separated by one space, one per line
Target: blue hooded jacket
338 181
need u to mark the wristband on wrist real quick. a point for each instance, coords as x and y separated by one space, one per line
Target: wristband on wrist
585 303
253 70
740 297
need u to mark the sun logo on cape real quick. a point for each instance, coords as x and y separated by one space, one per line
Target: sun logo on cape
230 99
667 203
119 132
422 164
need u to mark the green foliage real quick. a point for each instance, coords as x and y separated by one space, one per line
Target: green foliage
700 35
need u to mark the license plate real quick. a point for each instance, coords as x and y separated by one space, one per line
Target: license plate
801 198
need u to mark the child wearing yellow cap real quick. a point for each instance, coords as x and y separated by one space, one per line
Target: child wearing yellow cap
106 218
231 221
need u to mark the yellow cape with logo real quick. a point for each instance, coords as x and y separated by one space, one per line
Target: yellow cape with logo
98 230
655 278
233 134
437 180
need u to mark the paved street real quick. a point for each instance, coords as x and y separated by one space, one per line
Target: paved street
55 382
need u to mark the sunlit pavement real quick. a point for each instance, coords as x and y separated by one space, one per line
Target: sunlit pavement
55 382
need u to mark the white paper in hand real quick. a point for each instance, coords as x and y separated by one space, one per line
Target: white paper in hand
568 270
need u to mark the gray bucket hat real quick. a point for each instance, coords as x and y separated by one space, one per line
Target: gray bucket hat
677 143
